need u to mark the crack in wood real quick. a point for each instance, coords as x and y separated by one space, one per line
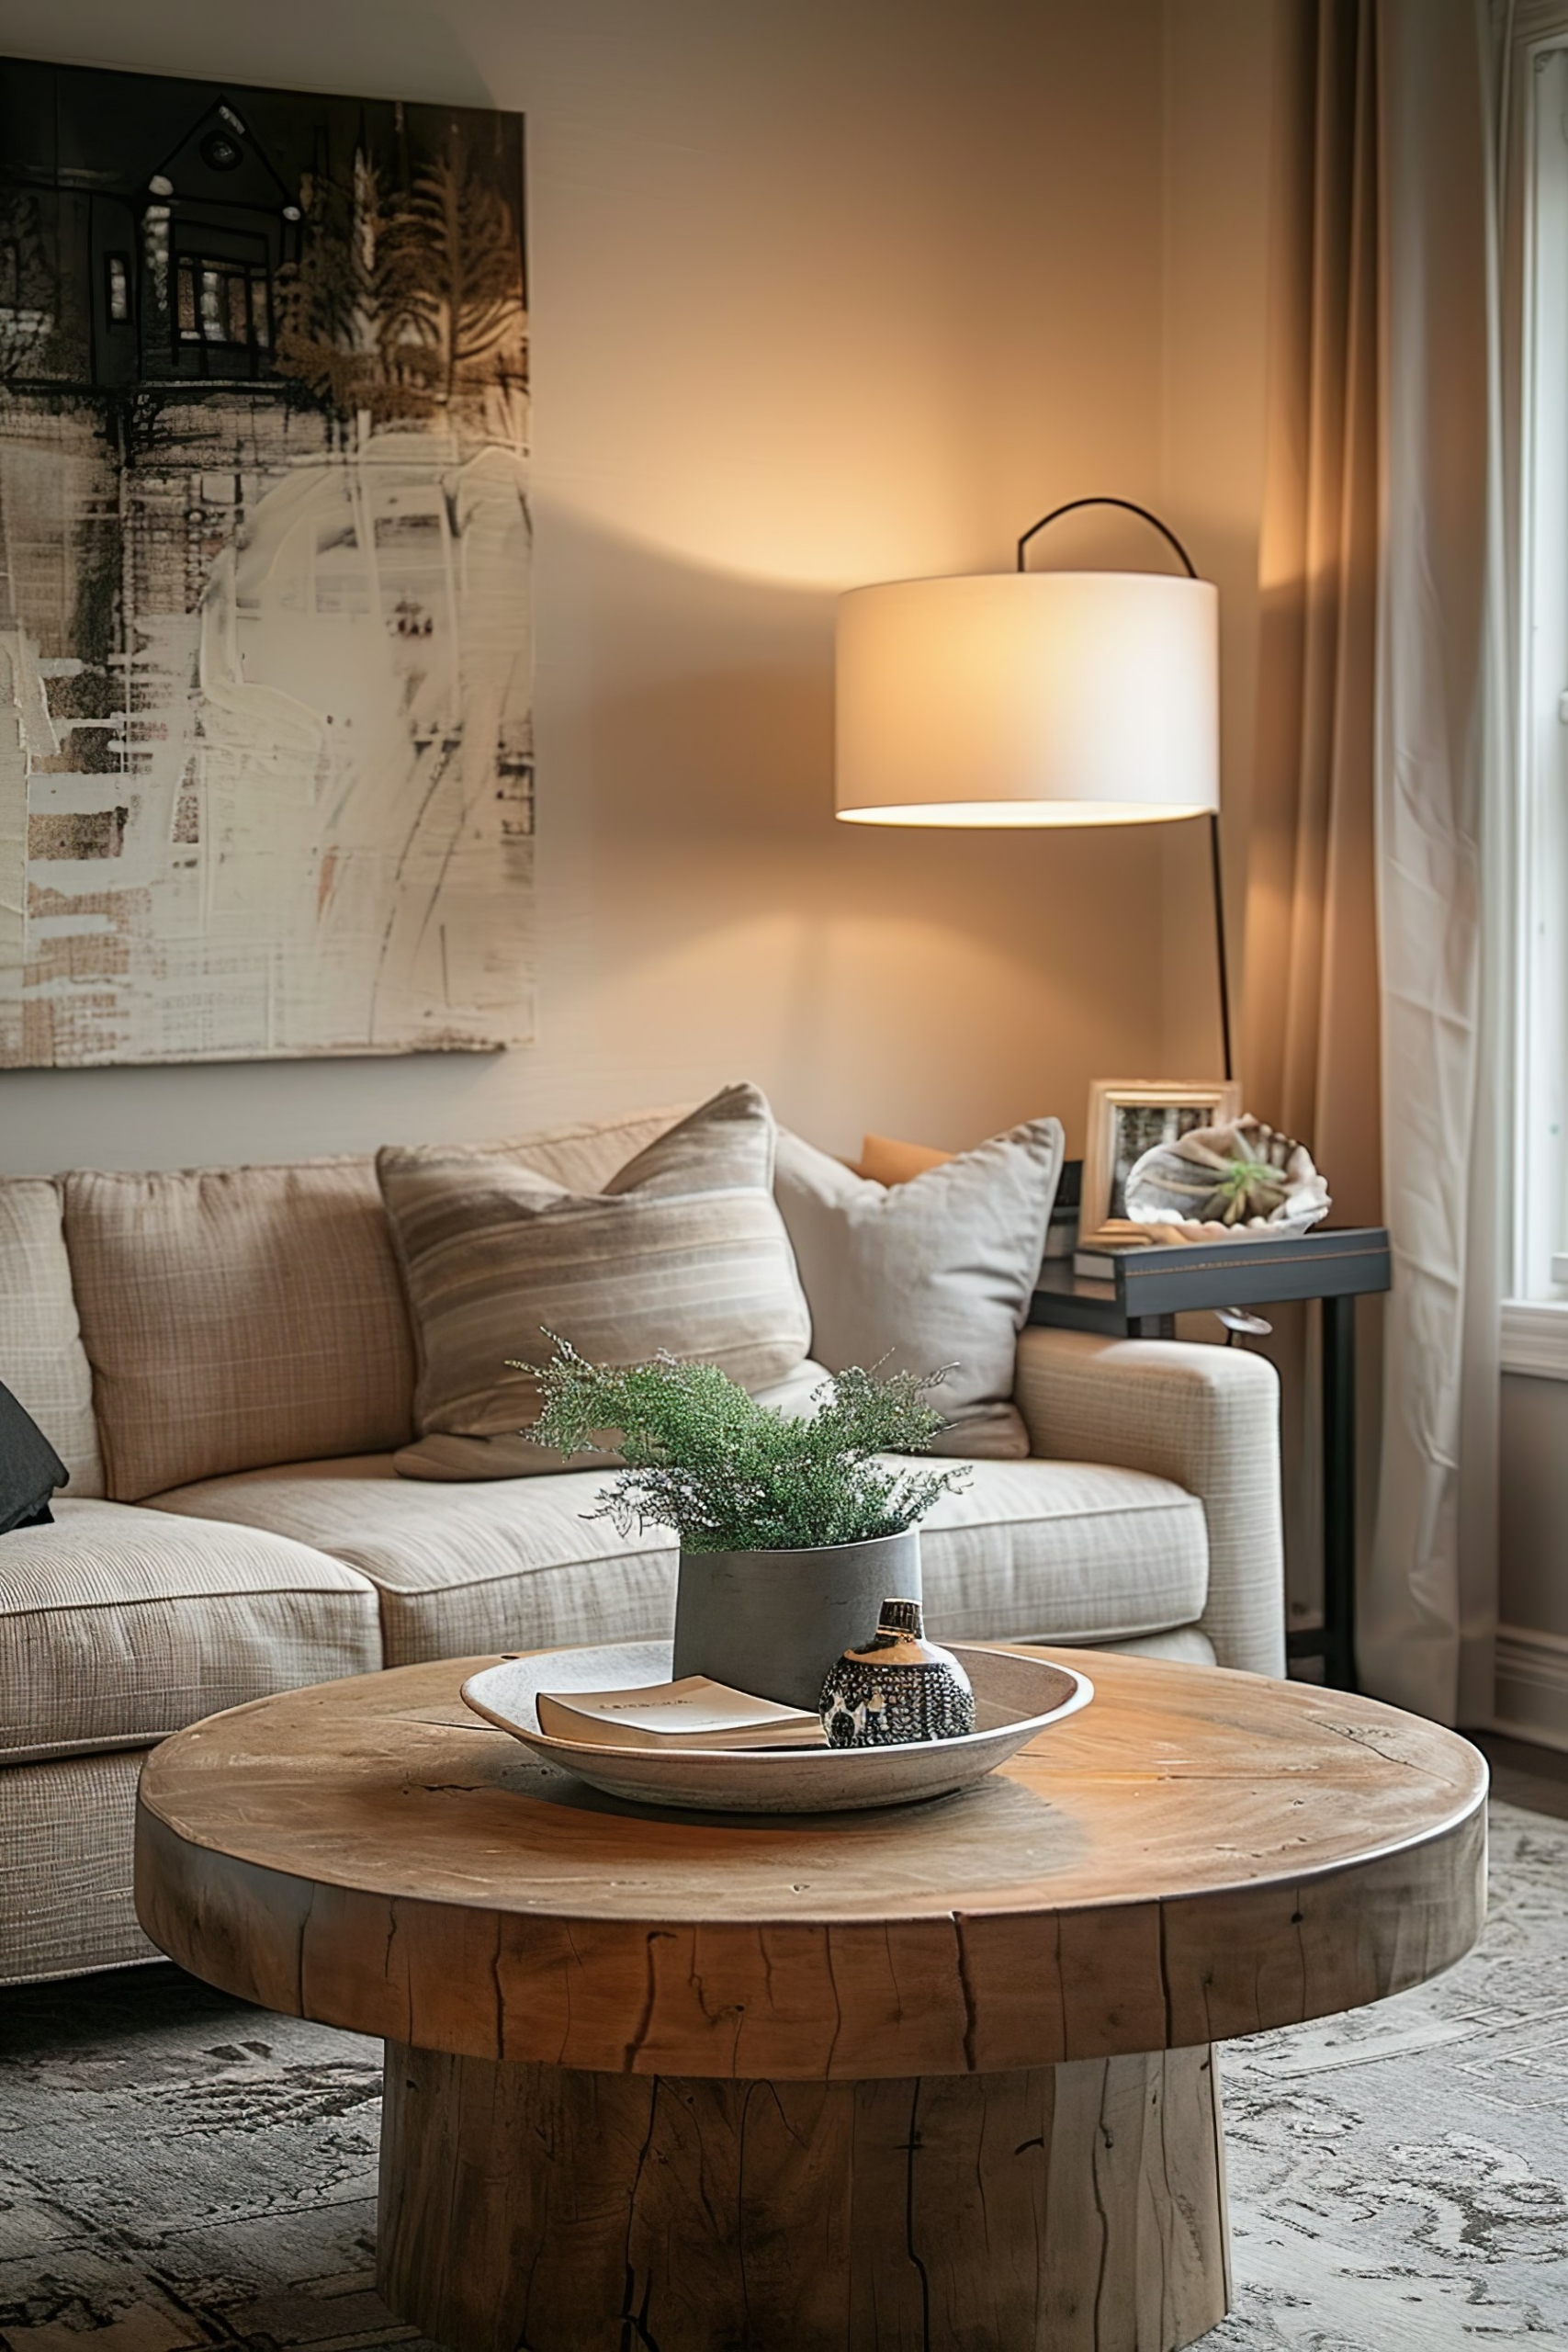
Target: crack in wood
911 2150
635 2330
651 1994
837 2005
1366 1735
299 2009
566 1991
1163 1926
966 1989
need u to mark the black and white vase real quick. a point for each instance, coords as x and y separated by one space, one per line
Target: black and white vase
896 1688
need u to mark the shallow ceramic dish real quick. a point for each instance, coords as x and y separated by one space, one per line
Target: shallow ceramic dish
1016 1697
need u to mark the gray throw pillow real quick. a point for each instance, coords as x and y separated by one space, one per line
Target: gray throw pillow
937 1270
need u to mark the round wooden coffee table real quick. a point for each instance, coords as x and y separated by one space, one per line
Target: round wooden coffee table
937 2077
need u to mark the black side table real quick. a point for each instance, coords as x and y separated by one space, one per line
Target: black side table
1152 1286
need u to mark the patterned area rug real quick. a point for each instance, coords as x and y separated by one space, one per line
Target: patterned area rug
177 2169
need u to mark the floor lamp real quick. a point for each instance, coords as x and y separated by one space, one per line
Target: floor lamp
1035 698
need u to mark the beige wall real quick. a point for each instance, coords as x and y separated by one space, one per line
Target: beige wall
823 293
1532 1643
1534 1489
1217 81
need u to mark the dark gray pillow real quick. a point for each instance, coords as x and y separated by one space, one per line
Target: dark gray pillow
29 1468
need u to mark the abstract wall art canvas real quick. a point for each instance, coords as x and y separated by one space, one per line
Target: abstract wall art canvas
265 745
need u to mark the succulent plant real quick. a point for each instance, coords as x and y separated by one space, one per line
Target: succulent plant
1242 1176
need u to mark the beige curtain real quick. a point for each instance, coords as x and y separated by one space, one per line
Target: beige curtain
1365 1012
1309 1048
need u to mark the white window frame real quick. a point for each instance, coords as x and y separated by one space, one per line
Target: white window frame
1535 1315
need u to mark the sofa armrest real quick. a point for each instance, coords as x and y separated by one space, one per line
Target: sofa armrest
1206 1417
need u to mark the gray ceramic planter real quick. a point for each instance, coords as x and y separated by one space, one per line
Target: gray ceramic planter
775 1621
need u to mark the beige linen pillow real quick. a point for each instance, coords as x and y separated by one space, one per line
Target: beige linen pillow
683 1248
938 1269
237 1317
42 1360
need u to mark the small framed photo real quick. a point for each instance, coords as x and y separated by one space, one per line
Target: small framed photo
1126 1118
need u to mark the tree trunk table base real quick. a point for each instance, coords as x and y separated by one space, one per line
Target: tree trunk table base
1076 2208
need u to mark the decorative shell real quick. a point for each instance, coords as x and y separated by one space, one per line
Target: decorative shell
1237 1180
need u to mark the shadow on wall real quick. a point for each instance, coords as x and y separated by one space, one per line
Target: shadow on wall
693 878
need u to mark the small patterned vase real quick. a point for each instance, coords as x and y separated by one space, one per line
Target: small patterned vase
898 1687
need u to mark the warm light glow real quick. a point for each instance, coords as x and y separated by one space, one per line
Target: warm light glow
1017 813
1038 699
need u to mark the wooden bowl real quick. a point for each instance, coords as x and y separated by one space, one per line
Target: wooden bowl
1016 1697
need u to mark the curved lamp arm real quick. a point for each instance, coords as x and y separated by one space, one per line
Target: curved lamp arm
1144 515
1127 507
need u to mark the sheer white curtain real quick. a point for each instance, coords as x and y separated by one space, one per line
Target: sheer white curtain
1379 774
1430 1606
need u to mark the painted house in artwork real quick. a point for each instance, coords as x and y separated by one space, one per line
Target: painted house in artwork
265 748
124 263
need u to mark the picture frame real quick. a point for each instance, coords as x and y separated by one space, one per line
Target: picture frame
1126 1118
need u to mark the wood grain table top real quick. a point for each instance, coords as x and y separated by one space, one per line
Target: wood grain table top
1176 1781
1199 1853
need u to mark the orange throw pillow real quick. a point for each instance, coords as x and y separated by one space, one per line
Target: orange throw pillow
885 1161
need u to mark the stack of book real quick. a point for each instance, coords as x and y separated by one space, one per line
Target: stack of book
1098 1263
693 1713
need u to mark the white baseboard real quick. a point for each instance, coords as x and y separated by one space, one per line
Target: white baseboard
1532 1685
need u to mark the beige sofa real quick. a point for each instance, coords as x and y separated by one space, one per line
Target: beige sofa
223 1360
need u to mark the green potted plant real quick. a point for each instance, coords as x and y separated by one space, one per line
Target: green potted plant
793 1532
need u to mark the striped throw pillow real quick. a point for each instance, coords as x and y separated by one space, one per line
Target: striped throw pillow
684 1250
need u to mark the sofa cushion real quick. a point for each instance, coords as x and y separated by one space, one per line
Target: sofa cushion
42 1360
681 1248
118 1625
1063 1551
505 1564
1059 1551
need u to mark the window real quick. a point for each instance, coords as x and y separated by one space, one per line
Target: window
117 273
223 303
1539 155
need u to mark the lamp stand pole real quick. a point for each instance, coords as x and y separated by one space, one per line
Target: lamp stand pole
1221 954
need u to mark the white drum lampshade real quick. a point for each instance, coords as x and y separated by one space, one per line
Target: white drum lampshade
1036 698
1028 698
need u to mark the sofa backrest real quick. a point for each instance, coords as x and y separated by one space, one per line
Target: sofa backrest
235 1317
42 1360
